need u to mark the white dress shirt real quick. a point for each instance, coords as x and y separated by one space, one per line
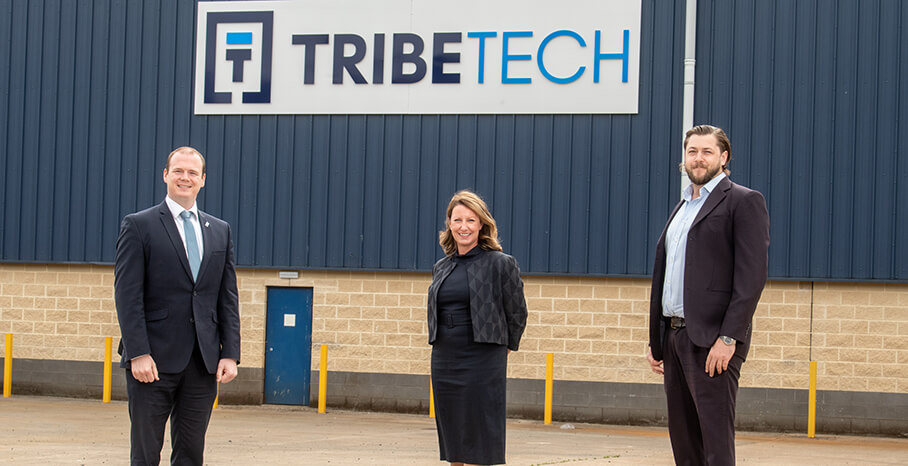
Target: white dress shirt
175 211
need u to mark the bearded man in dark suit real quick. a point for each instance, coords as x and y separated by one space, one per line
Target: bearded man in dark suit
711 265
176 298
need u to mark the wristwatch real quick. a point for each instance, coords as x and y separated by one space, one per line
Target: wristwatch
727 340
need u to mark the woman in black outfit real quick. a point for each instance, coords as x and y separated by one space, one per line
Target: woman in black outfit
476 315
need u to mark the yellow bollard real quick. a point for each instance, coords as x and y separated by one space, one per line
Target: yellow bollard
549 369
323 380
217 394
8 367
431 400
108 356
812 403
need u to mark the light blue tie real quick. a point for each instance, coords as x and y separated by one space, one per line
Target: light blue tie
192 244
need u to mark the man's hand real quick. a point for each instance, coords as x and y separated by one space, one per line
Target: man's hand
226 370
656 366
719 355
144 369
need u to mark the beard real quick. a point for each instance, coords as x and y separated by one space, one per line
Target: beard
710 173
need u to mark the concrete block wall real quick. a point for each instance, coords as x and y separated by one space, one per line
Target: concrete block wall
857 333
58 312
375 322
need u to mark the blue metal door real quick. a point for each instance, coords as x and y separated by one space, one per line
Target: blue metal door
288 343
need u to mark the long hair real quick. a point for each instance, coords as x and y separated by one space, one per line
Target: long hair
488 233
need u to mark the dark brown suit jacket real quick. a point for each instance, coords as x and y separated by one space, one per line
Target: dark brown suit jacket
726 265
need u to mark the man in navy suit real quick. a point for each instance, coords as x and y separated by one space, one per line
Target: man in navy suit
711 265
176 297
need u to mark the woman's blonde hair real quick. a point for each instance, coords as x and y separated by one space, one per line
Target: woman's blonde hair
488 234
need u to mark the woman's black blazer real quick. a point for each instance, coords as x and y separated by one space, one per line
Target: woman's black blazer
497 306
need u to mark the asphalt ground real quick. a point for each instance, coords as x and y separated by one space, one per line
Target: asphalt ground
65 431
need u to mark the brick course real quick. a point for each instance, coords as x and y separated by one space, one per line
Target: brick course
375 322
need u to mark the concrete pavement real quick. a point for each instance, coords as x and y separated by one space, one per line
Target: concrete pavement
63 431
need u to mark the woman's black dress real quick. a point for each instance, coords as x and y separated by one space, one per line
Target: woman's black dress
468 378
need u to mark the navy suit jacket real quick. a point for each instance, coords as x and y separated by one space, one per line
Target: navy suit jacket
161 310
726 266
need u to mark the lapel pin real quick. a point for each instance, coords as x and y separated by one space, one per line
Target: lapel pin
206 224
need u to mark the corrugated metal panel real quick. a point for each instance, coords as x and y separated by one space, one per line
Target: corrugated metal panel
97 93
811 94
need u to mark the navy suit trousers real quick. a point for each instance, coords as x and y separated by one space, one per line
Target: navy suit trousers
186 398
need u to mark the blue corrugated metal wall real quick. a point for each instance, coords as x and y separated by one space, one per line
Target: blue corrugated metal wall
96 93
814 95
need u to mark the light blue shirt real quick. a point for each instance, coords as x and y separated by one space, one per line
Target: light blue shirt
676 247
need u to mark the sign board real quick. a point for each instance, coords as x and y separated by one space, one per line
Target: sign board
417 57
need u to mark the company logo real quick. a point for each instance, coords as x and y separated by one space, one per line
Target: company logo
342 61
235 43
415 57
